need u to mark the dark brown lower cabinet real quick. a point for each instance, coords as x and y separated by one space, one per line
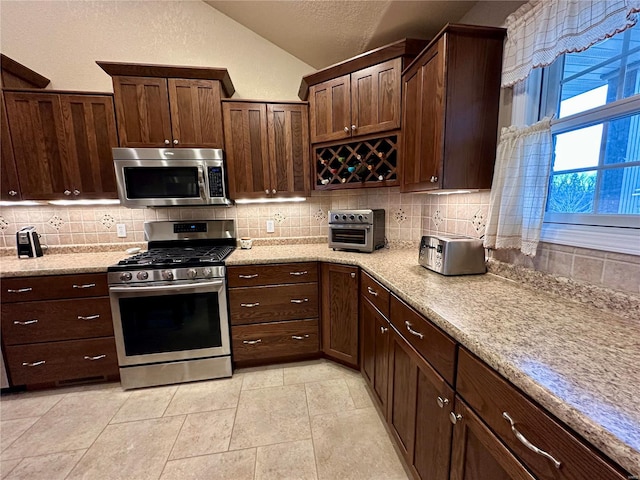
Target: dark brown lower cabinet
478 454
418 411
375 351
340 313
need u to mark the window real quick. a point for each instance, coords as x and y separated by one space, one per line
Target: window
594 96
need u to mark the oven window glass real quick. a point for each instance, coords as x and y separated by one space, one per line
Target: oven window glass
161 182
354 237
170 323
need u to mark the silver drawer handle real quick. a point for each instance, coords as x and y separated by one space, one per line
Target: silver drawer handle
298 273
27 322
97 357
19 290
248 276
413 332
90 317
527 443
34 364
250 305
295 300
298 337
372 291
86 285
252 342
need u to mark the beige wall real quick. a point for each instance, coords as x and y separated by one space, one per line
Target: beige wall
62 40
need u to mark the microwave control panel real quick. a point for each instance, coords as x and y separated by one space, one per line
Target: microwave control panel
216 182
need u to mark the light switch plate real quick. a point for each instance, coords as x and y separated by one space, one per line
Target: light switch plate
271 227
121 230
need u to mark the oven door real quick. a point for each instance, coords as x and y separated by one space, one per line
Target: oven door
353 237
170 322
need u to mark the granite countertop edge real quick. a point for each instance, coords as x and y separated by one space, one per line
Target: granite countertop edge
618 449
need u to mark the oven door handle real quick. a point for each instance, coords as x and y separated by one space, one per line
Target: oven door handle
166 288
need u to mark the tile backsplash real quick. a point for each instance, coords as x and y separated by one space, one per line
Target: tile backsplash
408 217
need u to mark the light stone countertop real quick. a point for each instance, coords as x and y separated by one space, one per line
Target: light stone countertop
580 363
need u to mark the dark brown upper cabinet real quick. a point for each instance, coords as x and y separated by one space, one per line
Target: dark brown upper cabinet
61 143
267 149
360 96
169 106
450 104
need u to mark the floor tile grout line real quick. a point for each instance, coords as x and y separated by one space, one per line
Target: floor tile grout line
184 420
169 403
23 433
313 444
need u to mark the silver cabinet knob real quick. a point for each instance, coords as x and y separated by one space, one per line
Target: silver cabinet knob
13 193
442 402
175 142
433 179
346 129
67 192
353 128
273 191
384 330
353 275
455 417
167 142
266 191
76 192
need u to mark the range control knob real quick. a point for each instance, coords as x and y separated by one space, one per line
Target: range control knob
206 272
360 217
167 275
352 217
125 276
142 275
192 273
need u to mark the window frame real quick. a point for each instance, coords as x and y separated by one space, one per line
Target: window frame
615 233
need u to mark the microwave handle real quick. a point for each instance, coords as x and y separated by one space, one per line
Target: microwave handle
201 182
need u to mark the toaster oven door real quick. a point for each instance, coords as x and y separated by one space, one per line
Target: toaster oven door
351 237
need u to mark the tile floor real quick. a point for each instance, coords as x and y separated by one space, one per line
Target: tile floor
311 420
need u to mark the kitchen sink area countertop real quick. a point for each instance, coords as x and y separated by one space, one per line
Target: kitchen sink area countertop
579 362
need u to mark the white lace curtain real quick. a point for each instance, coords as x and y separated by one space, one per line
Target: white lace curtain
541 30
519 190
537 33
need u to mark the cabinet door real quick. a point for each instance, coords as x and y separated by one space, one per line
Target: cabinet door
90 130
196 113
418 422
10 188
288 127
375 98
424 134
38 137
340 313
330 110
245 137
142 110
375 350
478 454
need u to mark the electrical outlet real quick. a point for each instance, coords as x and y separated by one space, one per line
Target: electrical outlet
271 226
121 230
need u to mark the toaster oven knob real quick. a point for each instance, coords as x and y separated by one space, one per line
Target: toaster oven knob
344 217
142 275
336 217
191 273
125 276
352 217
360 217
167 275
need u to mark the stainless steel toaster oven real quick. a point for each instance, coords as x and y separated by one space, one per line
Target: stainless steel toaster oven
360 230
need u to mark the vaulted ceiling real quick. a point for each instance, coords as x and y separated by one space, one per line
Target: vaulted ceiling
324 32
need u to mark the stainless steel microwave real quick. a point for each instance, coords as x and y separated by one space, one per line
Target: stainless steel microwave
170 177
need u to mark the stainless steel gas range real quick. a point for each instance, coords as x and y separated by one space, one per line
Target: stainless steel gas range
169 305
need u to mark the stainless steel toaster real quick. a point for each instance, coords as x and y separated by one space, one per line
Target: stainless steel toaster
452 255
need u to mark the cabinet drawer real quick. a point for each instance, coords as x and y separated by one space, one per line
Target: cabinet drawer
491 397
273 303
35 322
434 345
274 340
25 289
373 290
50 362
252 275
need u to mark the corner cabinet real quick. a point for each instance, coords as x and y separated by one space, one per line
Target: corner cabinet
451 95
267 149
169 106
340 331
61 144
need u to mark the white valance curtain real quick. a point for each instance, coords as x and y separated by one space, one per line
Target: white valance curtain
519 190
541 30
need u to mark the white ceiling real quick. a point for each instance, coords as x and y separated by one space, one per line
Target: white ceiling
324 32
